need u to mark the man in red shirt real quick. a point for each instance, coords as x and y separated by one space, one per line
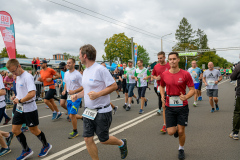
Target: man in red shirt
177 109
158 69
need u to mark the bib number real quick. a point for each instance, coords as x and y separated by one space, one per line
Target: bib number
158 89
140 75
175 101
211 83
129 72
69 97
46 88
19 108
90 113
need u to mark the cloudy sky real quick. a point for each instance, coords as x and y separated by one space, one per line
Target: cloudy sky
43 28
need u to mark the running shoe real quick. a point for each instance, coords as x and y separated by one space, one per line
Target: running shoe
59 115
124 106
73 135
118 96
141 111
194 105
54 115
128 108
4 151
25 154
24 129
212 110
234 136
46 107
176 134
137 100
45 150
162 109
181 155
159 112
115 109
217 108
146 103
7 120
132 101
9 139
164 129
123 149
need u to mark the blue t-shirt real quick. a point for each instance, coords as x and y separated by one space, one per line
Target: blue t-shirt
62 76
195 73
14 88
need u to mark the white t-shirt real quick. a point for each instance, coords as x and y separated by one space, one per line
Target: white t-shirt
73 80
211 77
2 98
25 84
96 78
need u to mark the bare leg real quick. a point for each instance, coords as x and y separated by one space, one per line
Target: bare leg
54 105
91 147
49 104
211 101
74 120
182 136
63 103
215 100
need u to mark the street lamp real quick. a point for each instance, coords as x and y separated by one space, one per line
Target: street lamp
161 40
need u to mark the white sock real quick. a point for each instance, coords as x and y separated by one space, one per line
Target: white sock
59 112
123 143
125 103
54 112
129 105
181 147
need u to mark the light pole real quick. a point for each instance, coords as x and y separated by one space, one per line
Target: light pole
161 40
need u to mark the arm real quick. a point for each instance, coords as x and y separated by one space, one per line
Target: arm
145 78
189 95
162 92
204 81
29 96
235 73
2 92
76 91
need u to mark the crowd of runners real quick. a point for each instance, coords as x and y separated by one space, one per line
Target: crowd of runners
94 86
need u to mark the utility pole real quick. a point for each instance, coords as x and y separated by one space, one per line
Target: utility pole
132 49
161 40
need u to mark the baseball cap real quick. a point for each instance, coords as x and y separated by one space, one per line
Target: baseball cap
130 61
62 65
44 61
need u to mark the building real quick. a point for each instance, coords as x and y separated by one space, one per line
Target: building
58 56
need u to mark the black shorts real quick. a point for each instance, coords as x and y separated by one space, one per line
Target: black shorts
176 115
64 96
141 91
100 125
2 110
124 86
212 92
30 118
50 94
200 86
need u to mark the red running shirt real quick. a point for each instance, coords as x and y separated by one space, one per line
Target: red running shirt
159 69
176 83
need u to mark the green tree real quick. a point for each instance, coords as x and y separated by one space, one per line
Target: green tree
143 55
117 46
4 54
67 56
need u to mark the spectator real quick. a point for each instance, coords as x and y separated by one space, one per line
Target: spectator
46 60
8 81
38 85
34 64
38 63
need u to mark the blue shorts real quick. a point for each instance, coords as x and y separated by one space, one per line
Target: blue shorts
73 107
130 87
196 85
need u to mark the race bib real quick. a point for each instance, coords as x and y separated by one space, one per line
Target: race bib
69 97
90 113
117 80
140 76
123 77
175 101
211 82
130 72
46 88
19 108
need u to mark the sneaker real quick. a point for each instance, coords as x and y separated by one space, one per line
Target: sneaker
115 109
128 108
212 110
124 106
6 121
194 105
45 150
181 154
234 136
69 120
162 109
141 111
217 108
176 134
123 149
46 107
39 99
59 115
4 151
146 103
73 135
24 129
132 102
25 154
164 129
9 139
159 112
137 100
54 115
118 96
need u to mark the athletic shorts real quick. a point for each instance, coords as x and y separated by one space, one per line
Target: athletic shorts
176 116
124 86
30 118
130 87
72 107
200 86
50 94
64 96
212 92
196 85
100 125
222 74
141 91
2 110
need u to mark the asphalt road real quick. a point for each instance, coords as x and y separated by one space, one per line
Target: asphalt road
207 134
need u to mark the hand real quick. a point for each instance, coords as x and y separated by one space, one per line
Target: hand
93 95
49 79
183 97
125 76
216 82
39 79
13 97
71 92
158 78
199 78
163 99
206 84
132 77
60 85
63 92
74 97
15 101
145 78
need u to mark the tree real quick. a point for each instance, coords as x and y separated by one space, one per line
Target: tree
117 46
143 55
67 56
5 54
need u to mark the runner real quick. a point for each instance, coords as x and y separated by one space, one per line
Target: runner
196 74
26 111
157 72
124 84
177 109
116 78
49 88
222 72
97 84
227 73
130 79
73 85
211 78
63 99
5 145
141 76
200 88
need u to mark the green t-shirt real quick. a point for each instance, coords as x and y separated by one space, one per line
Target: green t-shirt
227 70
140 74
222 71
130 72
